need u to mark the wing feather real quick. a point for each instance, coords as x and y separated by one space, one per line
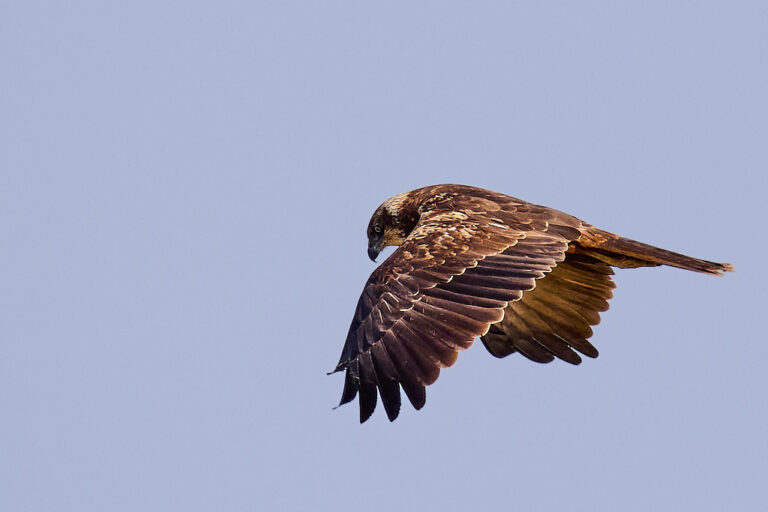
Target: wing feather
387 380
367 377
559 313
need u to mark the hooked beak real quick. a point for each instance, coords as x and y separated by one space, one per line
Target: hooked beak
374 248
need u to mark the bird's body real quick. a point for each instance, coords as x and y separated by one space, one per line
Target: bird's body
472 262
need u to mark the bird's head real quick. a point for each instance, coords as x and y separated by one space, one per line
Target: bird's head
391 223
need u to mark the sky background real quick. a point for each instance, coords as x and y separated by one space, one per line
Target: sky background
184 192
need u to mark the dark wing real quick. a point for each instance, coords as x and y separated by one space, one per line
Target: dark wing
556 317
444 286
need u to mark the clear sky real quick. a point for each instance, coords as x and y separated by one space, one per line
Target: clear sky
184 191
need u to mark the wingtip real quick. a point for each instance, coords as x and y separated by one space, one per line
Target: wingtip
339 367
365 416
394 413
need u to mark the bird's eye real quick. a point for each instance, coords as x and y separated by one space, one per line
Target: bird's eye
377 229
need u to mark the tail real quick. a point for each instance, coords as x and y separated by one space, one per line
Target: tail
625 253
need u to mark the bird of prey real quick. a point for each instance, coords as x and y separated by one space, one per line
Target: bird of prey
471 262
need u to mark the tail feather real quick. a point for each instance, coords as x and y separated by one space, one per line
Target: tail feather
625 253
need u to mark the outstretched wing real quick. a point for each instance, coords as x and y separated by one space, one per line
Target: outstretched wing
556 317
444 286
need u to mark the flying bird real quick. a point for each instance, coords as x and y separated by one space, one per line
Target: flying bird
471 262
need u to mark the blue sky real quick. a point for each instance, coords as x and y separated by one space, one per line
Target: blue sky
183 200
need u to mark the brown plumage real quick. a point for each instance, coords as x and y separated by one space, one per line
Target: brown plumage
471 262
